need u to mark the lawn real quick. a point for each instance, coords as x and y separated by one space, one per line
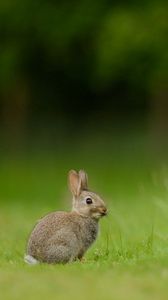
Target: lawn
130 257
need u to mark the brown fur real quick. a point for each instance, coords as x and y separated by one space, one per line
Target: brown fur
62 237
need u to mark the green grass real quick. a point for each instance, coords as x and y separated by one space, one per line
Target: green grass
130 258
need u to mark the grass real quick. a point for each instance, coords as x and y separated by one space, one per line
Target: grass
130 258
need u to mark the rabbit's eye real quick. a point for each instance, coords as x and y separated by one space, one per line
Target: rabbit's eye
89 200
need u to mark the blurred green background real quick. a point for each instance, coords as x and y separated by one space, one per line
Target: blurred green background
84 85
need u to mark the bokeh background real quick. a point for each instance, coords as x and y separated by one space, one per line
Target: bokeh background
82 85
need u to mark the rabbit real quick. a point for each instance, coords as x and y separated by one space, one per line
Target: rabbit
63 237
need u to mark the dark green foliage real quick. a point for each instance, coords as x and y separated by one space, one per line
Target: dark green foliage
84 48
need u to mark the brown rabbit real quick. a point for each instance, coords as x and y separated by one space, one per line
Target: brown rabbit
62 237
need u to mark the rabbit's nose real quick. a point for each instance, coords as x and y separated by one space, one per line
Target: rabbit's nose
104 211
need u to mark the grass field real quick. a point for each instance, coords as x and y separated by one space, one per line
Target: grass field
130 258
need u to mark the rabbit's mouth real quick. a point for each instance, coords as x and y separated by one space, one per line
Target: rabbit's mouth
98 216
99 212
102 211
103 214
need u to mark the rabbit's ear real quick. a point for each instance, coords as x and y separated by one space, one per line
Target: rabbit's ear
74 182
83 180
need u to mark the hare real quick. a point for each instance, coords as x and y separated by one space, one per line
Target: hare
62 237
